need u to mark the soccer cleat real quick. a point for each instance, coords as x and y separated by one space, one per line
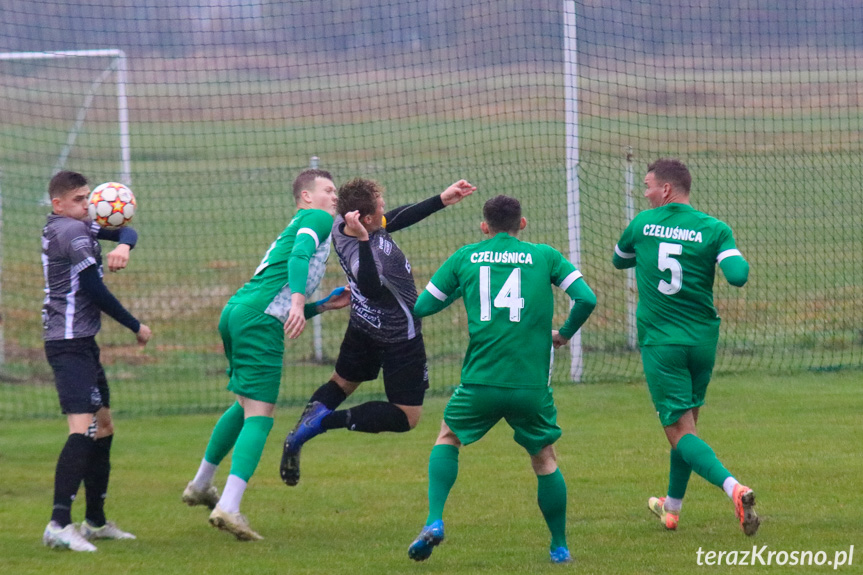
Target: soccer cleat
108 531
744 501
208 497
307 427
560 555
668 518
234 523
67 537
429 538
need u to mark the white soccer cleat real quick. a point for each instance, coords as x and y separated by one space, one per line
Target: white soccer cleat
67 537
234 523
108 531
208 497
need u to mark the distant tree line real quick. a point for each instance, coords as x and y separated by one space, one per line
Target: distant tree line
479 31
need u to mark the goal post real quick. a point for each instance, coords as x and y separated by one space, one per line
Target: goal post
573 198
118 64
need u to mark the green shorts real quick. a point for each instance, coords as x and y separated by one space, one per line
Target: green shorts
474 409
255 346
677 377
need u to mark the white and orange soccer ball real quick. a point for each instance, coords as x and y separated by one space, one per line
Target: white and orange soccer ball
112 205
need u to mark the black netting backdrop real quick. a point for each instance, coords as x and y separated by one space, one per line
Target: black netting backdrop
224 101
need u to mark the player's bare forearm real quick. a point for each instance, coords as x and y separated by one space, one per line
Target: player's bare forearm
296 322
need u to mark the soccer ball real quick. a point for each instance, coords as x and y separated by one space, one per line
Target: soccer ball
112 205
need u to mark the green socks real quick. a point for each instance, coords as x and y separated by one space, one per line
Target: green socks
443 471
250 446
678 475
550 492
551 496
702 459
225 434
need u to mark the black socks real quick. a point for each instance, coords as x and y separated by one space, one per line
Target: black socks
71 467
96 480
369 417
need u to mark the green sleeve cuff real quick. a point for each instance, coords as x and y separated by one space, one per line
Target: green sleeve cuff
584 302
736 270
427 304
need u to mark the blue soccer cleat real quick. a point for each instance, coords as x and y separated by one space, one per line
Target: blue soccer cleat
429 538
307 427
560 555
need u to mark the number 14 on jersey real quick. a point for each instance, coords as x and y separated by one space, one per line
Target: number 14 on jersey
509 295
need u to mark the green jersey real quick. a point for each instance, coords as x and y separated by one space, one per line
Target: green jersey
295 262
675 248
506 287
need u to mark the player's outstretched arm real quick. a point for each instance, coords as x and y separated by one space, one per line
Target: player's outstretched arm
736 269
404 216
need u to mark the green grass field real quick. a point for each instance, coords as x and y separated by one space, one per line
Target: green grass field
794 439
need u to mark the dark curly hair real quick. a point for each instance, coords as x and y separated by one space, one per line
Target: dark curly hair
359 194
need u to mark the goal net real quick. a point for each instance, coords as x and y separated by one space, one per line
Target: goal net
561 104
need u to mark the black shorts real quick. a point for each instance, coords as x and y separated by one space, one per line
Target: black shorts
406 374
78 374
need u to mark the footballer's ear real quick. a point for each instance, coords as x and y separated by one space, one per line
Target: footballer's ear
306 196
523 223
484 227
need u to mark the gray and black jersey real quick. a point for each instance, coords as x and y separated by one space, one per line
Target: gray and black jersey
386 317
69 246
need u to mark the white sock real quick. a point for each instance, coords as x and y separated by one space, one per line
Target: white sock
233 494
728 485
204 478
672 504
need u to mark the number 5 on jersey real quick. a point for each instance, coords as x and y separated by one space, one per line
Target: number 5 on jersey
509 295
666 262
